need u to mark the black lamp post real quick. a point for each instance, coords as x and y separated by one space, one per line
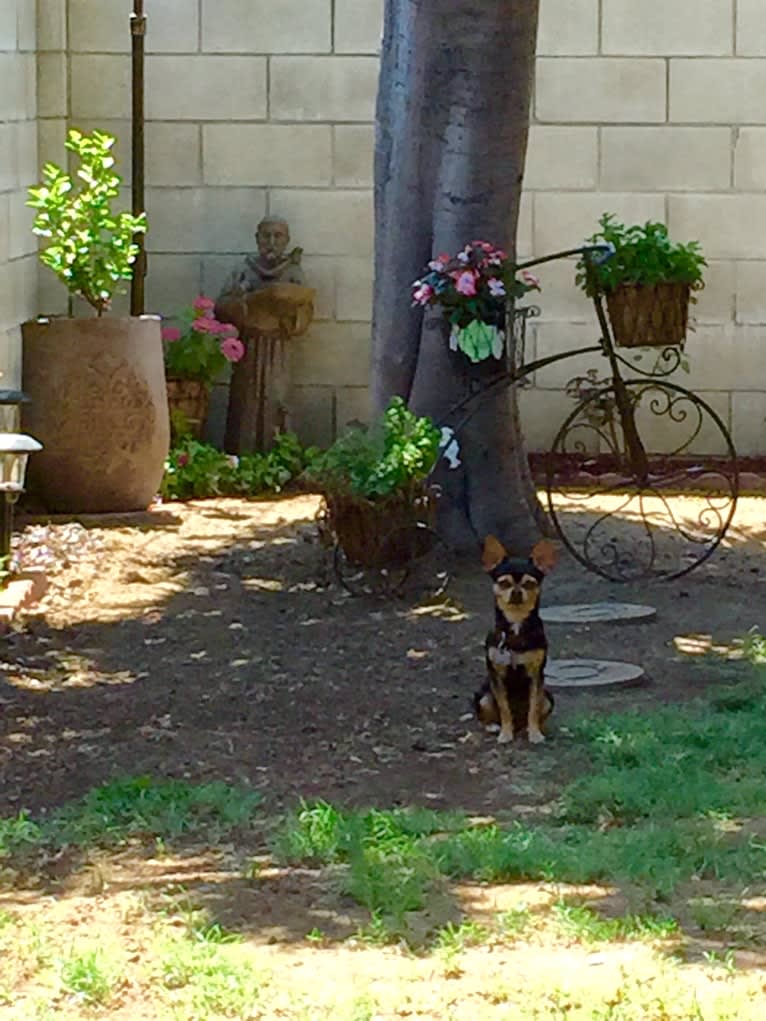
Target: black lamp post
15 449
137 34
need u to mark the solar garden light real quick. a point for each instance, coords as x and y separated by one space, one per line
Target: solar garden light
15 449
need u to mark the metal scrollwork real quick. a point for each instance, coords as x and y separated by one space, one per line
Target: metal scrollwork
627 525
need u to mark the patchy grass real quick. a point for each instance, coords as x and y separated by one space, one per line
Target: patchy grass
91 975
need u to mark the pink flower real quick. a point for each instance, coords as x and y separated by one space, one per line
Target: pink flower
204 324
232 349
203 304
171 333
440 263
183 460
530 279
466 283
496 287
228 330
423 294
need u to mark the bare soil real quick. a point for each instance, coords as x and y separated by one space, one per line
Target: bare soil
210 641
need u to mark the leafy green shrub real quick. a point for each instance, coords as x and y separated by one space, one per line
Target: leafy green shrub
643 254
89 247
397 450
197 470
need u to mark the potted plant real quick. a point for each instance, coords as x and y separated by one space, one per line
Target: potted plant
474 288
374 481
648 282
197 350
97 384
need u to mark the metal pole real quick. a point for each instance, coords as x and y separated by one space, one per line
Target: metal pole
6 528
138 32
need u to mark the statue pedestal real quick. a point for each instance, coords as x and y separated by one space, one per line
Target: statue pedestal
267 320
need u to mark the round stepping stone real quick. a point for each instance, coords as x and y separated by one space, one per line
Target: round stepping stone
592 613
590 673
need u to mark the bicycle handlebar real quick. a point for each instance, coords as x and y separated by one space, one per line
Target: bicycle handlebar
597 253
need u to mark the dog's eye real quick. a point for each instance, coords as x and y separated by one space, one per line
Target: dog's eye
504 583
529 584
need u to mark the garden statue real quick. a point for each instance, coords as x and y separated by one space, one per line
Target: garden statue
267 300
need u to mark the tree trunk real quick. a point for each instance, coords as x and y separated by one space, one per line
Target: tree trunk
452 123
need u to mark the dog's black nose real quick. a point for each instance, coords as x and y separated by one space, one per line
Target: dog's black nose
517 597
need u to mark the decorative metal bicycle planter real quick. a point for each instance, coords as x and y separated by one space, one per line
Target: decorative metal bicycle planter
622 465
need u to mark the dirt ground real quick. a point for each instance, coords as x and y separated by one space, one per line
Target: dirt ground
209 641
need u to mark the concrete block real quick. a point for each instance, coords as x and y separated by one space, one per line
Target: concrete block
560 298
5 226
259 26
21 240
542 412
204 87
557 338
51 25
665 159
173 282
173 26
327 222
26 24
720 91
751 29
8 24
173 153
100 87
567 28
98 27
333 354
750 159
203 219
267 154
18 90
353 404
727 226
358 26
561 158
609 90
52 296
565 220
751 292
723 357
321 273
323 88
10 358
51 138
715 302
748 414
27 163
7 298
353 155
662 434
524 234
8 176
311 414
355 280
24 275
654 27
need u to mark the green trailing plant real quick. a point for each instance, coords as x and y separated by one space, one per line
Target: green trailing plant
197 470
643 254
394 453
89 247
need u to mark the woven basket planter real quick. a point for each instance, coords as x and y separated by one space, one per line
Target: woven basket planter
189 397
643 315
367 530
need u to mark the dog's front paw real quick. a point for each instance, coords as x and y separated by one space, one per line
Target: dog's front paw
505 737
536 737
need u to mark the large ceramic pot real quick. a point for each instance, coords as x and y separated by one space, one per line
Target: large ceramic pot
98 404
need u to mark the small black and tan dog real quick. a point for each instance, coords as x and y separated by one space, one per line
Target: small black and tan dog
516 649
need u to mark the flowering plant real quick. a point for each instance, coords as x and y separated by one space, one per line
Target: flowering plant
200 346
474 288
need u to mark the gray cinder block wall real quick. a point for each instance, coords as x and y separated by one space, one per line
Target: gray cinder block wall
643 107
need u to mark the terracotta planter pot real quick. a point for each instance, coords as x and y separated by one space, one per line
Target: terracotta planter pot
99 407
190 398
642 315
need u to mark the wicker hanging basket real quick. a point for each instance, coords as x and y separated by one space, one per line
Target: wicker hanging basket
189 397
644 315
367 529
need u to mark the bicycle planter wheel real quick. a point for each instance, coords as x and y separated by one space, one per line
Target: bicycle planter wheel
627 516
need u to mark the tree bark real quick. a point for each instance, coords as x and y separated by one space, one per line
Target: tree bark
452 124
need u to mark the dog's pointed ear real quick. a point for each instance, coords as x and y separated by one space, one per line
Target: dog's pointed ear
493 553
544 555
